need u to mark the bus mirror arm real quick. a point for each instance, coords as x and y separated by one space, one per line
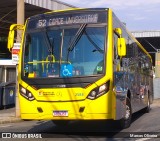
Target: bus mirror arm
118 31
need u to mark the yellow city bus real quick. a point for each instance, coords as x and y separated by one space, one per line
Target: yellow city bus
81 64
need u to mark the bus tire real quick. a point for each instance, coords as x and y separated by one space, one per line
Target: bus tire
148 108
61 122
126 121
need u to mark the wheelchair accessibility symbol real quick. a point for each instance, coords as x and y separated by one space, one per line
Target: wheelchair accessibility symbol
66 70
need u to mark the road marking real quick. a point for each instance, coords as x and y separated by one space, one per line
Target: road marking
4 126
143 139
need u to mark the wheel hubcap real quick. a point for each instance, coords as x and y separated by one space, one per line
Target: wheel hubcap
127 112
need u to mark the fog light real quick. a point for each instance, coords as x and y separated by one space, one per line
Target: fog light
39 109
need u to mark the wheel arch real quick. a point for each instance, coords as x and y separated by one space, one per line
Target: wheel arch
129 94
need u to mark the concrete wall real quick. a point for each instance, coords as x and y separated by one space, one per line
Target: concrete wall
156 88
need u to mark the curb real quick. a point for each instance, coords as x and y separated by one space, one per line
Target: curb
156 103
156 100
9 120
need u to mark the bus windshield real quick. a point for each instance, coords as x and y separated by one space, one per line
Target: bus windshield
69 51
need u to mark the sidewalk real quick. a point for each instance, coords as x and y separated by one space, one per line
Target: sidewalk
8 115
156 102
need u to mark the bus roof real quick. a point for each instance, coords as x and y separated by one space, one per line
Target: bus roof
70 10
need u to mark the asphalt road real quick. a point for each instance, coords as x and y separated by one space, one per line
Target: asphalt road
143 124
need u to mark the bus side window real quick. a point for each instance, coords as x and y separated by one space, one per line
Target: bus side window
27 45
116 59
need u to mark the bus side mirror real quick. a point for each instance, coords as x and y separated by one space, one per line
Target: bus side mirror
121 44
11 38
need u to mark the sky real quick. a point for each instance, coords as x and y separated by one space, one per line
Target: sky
139 15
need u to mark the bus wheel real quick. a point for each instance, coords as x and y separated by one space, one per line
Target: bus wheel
60 122
126 121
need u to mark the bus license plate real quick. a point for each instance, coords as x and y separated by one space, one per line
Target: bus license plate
60 113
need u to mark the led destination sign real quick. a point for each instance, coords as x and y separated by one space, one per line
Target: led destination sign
91 18
66 19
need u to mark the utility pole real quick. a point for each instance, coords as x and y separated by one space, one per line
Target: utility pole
157 64
20 17
20 20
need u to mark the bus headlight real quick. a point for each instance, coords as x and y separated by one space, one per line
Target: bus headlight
99 91
26 93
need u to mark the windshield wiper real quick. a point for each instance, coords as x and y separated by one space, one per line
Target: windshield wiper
76 37
48 43
50 46
94 44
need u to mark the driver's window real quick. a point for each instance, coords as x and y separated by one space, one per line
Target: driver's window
115 53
